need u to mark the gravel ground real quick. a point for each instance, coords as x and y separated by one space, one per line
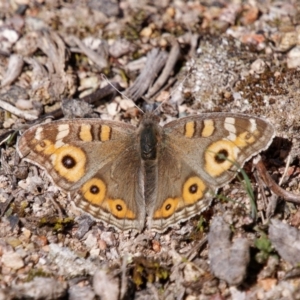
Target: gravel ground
62 58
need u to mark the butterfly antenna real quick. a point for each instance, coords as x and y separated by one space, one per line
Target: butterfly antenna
122 94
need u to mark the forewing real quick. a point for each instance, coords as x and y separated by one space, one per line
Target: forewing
199 154
97 161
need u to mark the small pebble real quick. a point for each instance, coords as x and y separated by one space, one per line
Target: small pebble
191 273
26 233
102 245
126 104
112 108
108 238
293 58
24 104
156 246
146 32
12 260
258 66
106 286
95 252
14 242
91 241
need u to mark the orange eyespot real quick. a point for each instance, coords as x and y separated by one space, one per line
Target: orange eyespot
167 209
69 162
119 209
193 190
94 191
219 157
244 139
46 146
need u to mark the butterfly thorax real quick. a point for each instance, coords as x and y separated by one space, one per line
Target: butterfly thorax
149 137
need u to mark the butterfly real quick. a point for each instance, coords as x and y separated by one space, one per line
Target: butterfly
150 175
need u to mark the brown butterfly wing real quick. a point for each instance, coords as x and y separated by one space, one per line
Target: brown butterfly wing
196 156
97 161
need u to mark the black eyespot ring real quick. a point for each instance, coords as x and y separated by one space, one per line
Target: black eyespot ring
68 162
94 189
193 188
221 156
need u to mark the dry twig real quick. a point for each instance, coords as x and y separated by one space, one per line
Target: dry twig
156 59
100 60
14 69
169 67
271 184
12 109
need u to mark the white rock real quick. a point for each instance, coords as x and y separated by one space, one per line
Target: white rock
112 108
95 252
105 286
91 241
258 66
12 260
126 103
293 58
24 104
108 238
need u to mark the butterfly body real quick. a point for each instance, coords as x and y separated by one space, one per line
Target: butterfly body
123 175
